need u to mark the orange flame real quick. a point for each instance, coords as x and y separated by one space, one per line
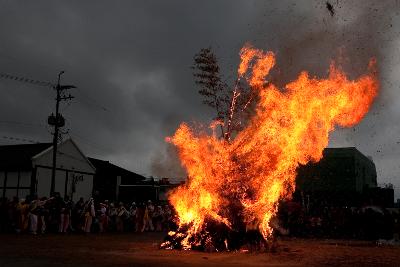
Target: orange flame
258 167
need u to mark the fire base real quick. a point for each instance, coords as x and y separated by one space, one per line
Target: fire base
215 237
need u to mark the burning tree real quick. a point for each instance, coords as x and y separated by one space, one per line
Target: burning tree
232 105
238 180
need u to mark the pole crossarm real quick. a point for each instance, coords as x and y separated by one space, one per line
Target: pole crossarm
67 97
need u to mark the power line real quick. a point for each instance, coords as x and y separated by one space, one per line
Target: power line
23 123
20 139
91 101
90 143
26 80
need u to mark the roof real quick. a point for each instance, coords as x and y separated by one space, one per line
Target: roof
345 152
50 149
19 157
339 150
104 167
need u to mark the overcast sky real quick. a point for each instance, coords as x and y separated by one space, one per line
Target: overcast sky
131 59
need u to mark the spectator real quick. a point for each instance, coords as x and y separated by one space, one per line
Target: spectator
166 218
157 218
89 215
13 213
103 218
78 214
33 216
122 215
112 215
133 216
23 219
3 215
65 216
140 212
148 217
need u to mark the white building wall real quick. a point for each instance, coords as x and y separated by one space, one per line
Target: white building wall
25 179
68 157
71 163
43 182
83 187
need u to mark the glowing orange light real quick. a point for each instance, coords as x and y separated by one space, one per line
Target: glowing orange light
257 168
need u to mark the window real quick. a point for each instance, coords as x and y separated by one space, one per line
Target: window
2 176
10 193
12 179
25 179
22 193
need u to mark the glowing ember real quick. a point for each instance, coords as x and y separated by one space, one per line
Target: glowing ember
240 181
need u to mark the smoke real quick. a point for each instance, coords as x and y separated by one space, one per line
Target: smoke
167 164
306 36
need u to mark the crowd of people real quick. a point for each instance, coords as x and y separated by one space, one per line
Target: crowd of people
368 222
56 214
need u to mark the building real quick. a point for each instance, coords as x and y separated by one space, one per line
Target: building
109 178
155 189
27 170
343 177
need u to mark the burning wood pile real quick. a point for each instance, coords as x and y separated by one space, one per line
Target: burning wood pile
234 184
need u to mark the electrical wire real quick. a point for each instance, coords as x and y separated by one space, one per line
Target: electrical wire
20 139
23 123
90 101
26 80
90 143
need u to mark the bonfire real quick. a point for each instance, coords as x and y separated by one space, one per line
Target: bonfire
238 182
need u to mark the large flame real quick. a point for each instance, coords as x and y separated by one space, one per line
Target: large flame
256 169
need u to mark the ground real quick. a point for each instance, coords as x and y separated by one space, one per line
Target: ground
142 250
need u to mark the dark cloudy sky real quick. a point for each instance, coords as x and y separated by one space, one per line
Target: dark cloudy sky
131 59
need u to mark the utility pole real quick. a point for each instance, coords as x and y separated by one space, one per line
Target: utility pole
57 121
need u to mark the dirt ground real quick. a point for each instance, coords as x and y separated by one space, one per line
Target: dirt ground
142 250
